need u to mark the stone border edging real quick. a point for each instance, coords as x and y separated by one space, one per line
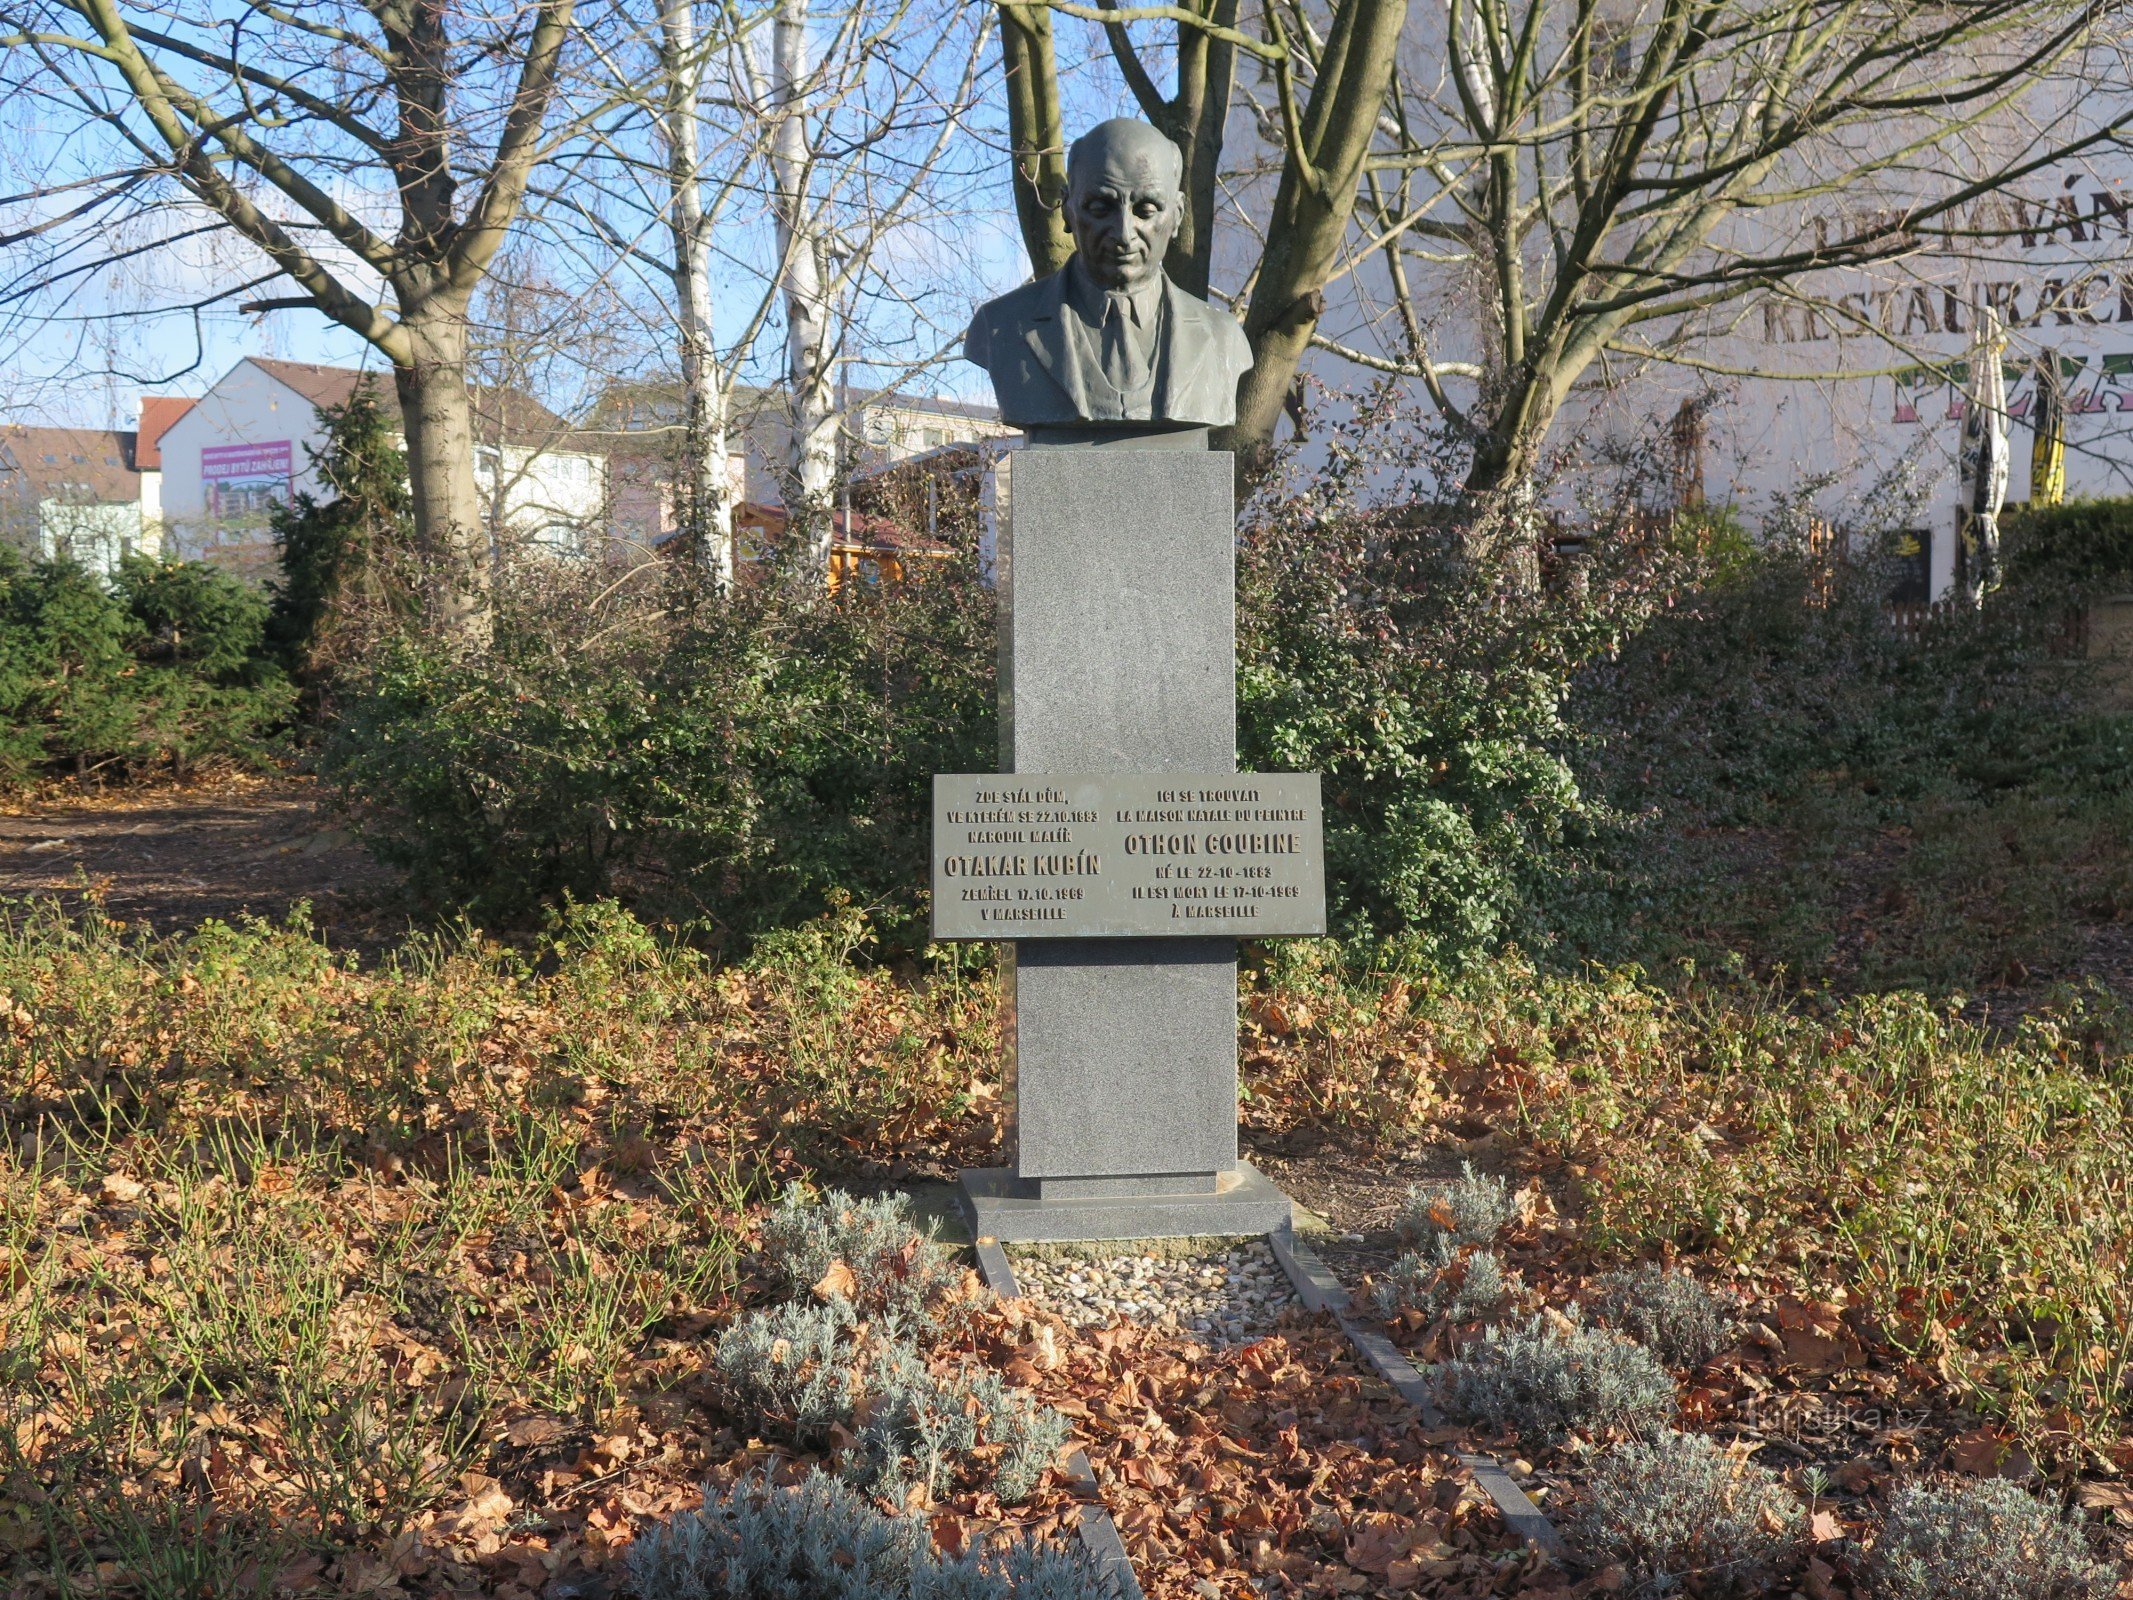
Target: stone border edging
1321 1290
1099 1535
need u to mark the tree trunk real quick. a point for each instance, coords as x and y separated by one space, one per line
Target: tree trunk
437 420
1509 433
1037 133
706 518
811 413
1207 71
1312 208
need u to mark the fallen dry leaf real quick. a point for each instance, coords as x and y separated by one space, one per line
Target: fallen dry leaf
116 1189
835 1284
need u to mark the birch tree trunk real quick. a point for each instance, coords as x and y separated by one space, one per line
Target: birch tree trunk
706 512
805 273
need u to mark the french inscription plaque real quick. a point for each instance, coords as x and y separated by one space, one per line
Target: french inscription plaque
1234 855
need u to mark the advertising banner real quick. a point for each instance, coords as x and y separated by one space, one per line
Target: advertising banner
242 480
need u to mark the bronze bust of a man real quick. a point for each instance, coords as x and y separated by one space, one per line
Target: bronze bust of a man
1109 338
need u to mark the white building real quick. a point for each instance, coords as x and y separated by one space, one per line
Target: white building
75 494
641 424
2052 257
250 442
1836 393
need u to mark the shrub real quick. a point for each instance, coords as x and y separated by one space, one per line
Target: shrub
924 1428
894 1267
820 1540
1471 1211
1743 745
1677 1506
160 666
1440 1280
795 1364
1990 1540
1426 685
1547 1378
730 762
2085 543
1672 1314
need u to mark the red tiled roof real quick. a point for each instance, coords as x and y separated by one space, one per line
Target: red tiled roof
524 419
327 386
158 412
78 464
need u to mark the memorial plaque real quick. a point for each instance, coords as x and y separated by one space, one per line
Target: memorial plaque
1097 855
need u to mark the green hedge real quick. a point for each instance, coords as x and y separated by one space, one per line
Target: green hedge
159 668
737 765
2087 543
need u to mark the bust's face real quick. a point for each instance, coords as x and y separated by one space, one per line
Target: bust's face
1123 205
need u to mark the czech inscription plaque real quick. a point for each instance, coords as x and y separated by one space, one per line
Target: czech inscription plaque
1236 855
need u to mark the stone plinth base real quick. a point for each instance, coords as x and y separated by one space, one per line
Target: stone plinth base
1002 1206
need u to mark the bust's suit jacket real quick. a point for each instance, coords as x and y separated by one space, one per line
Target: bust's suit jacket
1021 340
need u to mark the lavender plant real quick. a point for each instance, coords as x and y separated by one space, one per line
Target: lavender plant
1676 1506
820 1539
1441 1280
1474 1210
1989 1540
1679 1319
1545 1379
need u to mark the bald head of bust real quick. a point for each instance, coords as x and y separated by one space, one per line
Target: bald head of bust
1124 198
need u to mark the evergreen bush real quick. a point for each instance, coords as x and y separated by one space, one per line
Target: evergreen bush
2085 545
160 667
349 573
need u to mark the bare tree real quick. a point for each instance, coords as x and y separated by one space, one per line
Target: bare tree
860 130
789 149
706 514
353 147
1609 182
1592 177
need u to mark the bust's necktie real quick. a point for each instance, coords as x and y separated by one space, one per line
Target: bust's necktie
1125 361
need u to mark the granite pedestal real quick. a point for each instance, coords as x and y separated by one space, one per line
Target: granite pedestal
1118 653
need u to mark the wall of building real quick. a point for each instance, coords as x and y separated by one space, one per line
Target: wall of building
550 497
250 440
246 442
97 536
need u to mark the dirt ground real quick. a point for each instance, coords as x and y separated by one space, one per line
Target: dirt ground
171 858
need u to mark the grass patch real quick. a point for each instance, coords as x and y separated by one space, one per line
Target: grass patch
1972 1186
297 1257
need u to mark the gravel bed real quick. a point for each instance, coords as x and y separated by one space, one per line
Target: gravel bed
1226 1296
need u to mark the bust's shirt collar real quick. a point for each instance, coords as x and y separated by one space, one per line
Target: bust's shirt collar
1143 305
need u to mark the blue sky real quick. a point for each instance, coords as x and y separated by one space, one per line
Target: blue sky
109 337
